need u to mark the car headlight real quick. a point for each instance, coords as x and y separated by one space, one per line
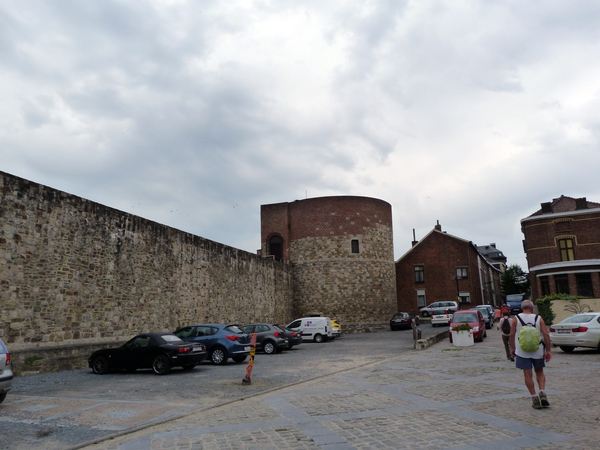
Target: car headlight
476 329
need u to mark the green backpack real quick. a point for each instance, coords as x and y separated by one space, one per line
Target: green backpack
529 336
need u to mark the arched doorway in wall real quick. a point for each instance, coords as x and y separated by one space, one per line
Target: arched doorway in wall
275 247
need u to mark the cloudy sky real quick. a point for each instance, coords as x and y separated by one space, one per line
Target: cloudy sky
194 113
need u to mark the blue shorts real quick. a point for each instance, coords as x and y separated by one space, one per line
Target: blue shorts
530 363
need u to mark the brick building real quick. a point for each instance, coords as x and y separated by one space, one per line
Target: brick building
562 243
341 250
443 267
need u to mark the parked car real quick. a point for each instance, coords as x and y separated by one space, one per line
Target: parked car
441 317
488 314
403 320
157 351
513 301
222 341
474 318
316 329
336 329
580 330
6 374
269 338
427 310
294 337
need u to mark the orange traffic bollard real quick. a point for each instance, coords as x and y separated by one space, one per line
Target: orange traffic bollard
247 379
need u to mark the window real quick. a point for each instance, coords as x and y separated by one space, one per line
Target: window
461 272
566 249
355 246
465 297
562 284
419 274
545 285
421 298
584 284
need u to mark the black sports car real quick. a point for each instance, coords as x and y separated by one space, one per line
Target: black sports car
156 351
403 320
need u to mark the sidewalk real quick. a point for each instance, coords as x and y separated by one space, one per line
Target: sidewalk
442 397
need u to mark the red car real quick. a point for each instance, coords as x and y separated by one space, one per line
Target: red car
474 318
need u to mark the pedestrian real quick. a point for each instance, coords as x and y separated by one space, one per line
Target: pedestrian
528 326
497 316
505 308
505 324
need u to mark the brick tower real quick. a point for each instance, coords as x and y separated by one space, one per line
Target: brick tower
341 249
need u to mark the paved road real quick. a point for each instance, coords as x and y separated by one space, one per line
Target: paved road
469 398
58 410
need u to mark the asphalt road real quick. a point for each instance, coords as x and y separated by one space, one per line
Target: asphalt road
63 409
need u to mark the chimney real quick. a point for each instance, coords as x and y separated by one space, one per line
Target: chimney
414 241
493 244
547 208
438 226
581 203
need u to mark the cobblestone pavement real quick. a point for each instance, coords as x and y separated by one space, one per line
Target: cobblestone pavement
443 397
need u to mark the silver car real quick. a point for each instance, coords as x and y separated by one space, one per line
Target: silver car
6 375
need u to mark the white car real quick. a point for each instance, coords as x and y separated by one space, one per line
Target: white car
6 374
441 317
316 329
580 330
427 310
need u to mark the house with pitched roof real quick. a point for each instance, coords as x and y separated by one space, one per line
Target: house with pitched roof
442 267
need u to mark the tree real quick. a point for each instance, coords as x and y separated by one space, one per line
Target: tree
515 280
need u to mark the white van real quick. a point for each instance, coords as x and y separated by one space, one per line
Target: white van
316 329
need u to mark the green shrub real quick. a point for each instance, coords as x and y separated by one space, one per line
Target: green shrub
545 306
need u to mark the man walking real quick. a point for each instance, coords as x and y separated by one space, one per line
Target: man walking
528 326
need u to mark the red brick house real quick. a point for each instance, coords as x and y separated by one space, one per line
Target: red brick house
562 243
443 267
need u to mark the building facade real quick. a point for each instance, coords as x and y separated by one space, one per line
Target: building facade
442 267
562 243
341 251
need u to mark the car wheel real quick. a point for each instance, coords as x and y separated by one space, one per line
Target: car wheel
484 335
425 314
318 338
567 348
100 365
161 365
239 358
218 355
2 396
269 347
188 366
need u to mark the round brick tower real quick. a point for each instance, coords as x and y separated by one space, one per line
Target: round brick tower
342 253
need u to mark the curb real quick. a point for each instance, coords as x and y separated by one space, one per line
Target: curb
422 344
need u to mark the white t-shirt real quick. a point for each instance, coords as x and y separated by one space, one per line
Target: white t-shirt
528 319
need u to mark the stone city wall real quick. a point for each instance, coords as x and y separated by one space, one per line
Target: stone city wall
74 272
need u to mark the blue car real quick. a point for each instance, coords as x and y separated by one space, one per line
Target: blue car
222 341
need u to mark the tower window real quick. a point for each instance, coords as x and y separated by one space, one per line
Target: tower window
355 246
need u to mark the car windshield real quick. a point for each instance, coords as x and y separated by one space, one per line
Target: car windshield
464 318
579 318
170 338
439 312
234 329
400 316
276 328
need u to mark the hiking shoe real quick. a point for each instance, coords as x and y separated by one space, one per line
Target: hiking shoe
536 402
544 400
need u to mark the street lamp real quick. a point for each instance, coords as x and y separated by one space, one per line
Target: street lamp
457 277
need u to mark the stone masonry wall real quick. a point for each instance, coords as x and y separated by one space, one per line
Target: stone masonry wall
73 271
358 290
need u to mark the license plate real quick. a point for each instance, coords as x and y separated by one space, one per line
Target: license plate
564 331
197 349
246 349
